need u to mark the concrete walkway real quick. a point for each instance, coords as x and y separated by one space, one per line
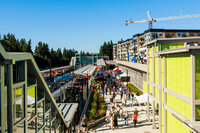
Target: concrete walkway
142 125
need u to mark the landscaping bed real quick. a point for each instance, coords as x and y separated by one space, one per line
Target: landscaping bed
135 89
98 108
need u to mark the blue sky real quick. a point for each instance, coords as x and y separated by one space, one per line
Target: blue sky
86 24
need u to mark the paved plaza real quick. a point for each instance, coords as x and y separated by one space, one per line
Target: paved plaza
142 125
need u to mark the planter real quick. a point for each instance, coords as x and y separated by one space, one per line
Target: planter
96 123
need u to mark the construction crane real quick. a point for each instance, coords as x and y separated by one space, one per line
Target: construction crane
150 20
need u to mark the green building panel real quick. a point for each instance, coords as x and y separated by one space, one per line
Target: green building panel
179 74
179 106
175 126
169 46
197 76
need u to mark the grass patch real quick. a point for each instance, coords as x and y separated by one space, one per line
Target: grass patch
135 89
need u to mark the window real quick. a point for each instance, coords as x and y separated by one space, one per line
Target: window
168 35
179 34
160 34
198 35
184 35
191 34
172 34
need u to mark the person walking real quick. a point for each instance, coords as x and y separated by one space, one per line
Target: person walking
134 118
84 123
126 118
111 121
106 90
121 93
116 120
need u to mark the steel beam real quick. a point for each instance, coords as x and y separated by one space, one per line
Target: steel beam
10 98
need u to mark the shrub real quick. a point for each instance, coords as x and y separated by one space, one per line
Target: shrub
94 105
101 99
101 113
103 106
134 89
93 112
95 96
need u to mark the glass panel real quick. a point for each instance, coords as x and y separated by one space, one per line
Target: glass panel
31 126
19 128
197 112
40 115
31 102
18 105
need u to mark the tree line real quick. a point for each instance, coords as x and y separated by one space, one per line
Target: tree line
106 49
43 55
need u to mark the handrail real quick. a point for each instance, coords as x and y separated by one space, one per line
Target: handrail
85 109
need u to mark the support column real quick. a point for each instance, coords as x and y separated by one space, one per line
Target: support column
10 99
148 113
192 57
25 96
160 94
2 99
165 94
153 80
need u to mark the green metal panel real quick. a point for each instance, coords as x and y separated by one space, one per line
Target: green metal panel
179 106
175 126
197 76
179 74
168 46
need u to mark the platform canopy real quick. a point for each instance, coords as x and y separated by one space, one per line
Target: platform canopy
68 110
87 70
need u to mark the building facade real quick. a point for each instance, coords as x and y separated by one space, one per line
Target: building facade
173 72
133 47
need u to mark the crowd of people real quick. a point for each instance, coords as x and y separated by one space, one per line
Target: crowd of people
114 112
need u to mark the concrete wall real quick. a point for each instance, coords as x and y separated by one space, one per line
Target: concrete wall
136 76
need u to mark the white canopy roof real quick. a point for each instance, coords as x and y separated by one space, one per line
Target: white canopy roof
31 100
124 75
143 98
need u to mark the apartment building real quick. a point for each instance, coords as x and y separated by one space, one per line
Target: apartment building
131 48
173 69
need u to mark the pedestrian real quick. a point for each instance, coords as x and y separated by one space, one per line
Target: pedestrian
110 91
118 109
129 95
111 121
121 93
126 118
84 123
115 119
113 95
106 90
132 97
121 112
108 112
134 118
136 111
